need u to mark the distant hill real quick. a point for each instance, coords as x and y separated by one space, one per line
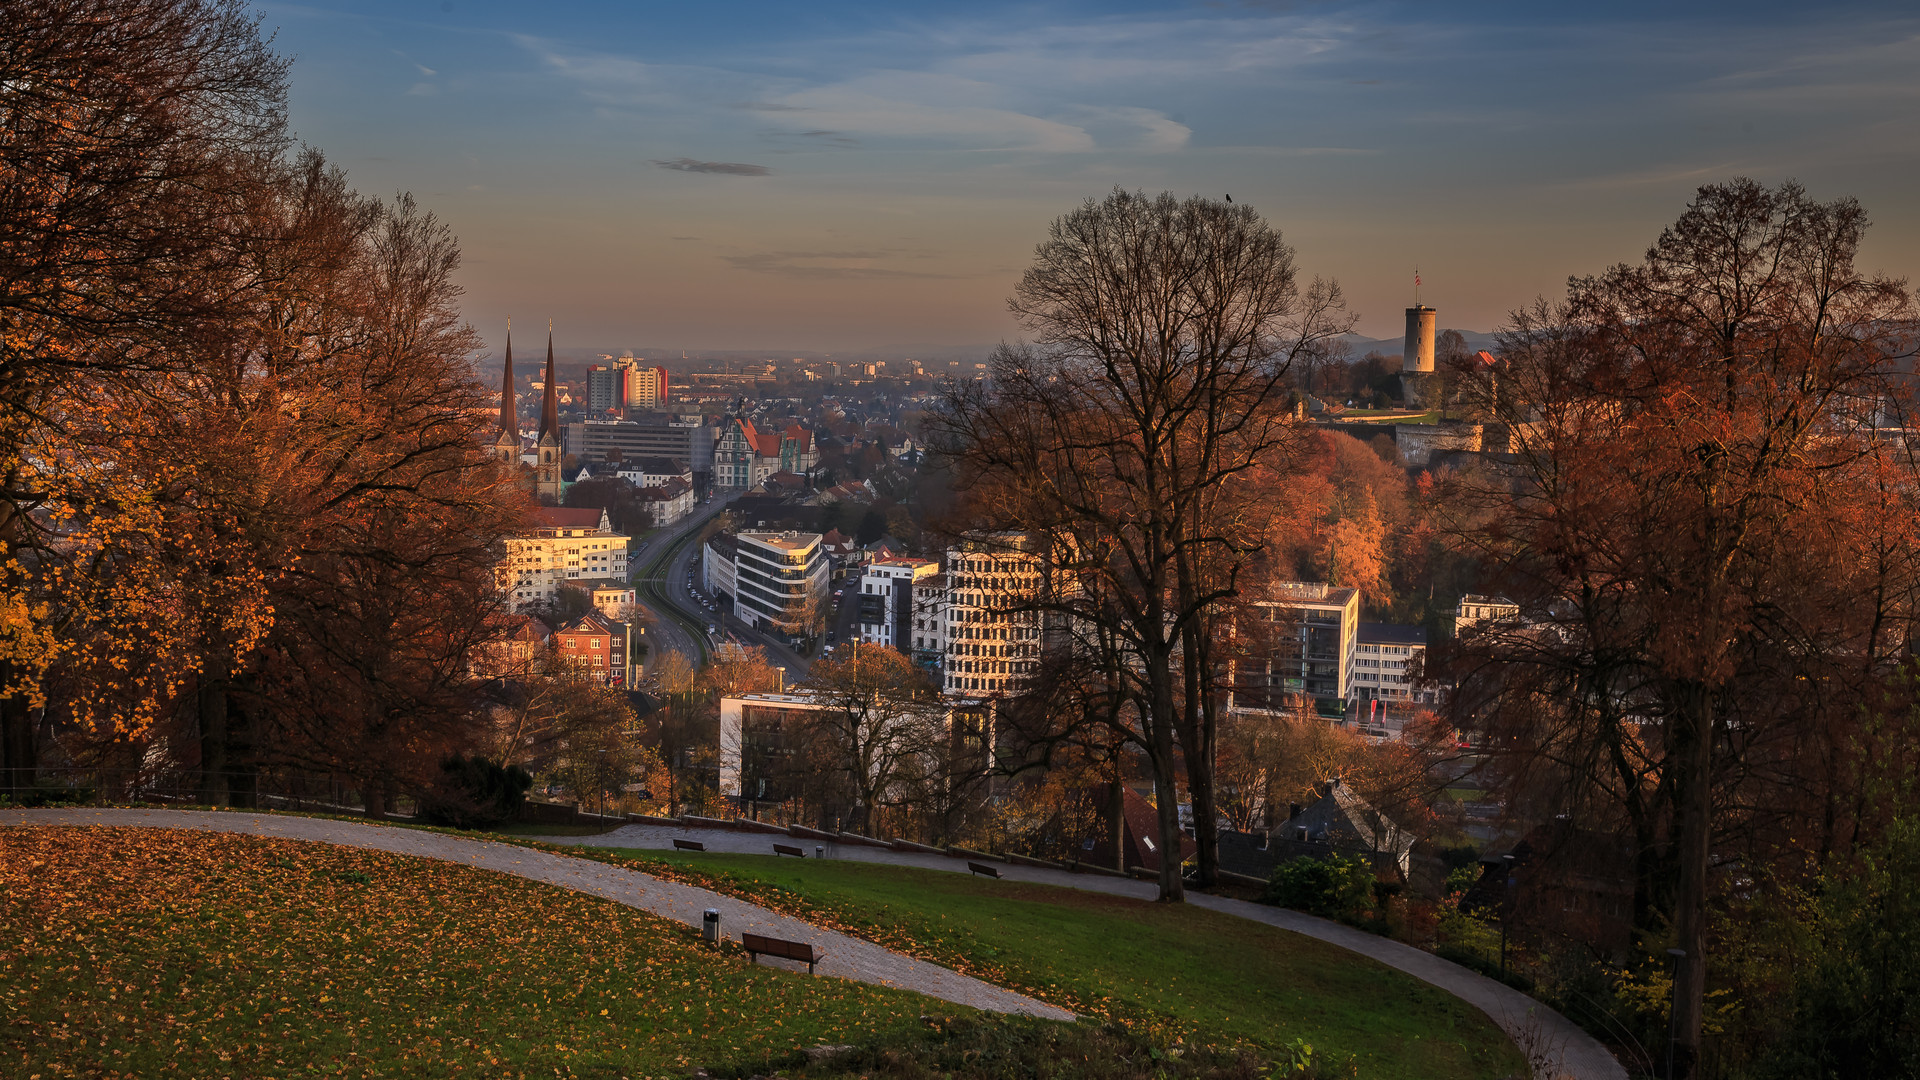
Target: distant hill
1361 346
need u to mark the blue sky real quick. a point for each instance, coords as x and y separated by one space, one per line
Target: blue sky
841 176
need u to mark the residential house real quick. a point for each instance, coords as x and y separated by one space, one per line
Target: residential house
565 544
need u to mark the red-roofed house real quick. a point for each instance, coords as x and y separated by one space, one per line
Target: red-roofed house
598 644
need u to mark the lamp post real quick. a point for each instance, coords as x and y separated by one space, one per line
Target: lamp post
1506 913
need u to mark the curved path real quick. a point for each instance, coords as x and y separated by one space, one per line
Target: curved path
1559 1049
845 956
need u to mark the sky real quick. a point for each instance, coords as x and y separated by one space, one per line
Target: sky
846 176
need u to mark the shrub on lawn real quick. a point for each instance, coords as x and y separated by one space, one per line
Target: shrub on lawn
475 792
1336 887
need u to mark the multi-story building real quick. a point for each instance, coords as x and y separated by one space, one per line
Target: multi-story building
599 645
640 387
653 437
603 390
777 580
927 624
1387 660
1302 648
887 599
989 632
667 502
1474 610
564 545
734 450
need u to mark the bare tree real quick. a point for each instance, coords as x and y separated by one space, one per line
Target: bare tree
879 722
1125 442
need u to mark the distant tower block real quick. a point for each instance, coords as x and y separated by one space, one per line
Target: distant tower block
1418 355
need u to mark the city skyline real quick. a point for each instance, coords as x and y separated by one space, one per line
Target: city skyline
847 178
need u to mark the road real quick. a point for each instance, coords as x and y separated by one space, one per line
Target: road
667 584
679 624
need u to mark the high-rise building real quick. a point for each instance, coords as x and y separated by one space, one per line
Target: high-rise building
640 387
989 634
603 390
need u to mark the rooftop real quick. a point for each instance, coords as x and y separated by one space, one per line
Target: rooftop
1376 633
785 541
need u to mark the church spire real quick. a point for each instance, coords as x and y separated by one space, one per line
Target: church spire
550 407
509 416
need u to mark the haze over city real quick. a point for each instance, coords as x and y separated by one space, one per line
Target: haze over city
855 176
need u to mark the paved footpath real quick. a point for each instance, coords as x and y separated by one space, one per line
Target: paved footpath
845 956
1562 1051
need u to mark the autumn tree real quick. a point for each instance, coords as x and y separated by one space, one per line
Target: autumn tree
1127 443
131 131
1696 524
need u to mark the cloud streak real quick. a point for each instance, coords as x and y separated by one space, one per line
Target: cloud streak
723 168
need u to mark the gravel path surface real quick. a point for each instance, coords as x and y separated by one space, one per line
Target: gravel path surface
1562 1050
846 957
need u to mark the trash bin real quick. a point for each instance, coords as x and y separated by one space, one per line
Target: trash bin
710 926
819 851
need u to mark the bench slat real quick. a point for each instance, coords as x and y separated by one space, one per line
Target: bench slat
758 945
980 869
688 845
788 849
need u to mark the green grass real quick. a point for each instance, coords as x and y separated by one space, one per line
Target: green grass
1177 970
154 953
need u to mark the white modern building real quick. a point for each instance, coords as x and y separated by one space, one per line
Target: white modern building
1387 661
777 580
988 633
1303 649
887 596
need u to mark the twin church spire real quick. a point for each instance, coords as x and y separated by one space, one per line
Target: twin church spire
550 402
547 481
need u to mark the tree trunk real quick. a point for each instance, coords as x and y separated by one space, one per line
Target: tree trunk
1166 785
19 751
1117 819
212 703
1198 736
1693 806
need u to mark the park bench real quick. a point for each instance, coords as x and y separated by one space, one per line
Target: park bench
788 849
980 868
688 845
758 946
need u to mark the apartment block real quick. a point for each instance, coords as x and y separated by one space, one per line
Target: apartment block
1302 646
564 546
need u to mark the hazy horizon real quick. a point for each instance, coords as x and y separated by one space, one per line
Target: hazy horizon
846 177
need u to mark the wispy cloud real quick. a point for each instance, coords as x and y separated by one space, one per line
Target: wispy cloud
725 168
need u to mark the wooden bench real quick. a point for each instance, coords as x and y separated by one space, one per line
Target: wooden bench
688 845
788 849
758 946
980 868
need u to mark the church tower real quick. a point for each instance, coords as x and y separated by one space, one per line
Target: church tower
506 444
546 471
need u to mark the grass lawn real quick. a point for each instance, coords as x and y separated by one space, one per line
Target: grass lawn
1173 969
151 953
